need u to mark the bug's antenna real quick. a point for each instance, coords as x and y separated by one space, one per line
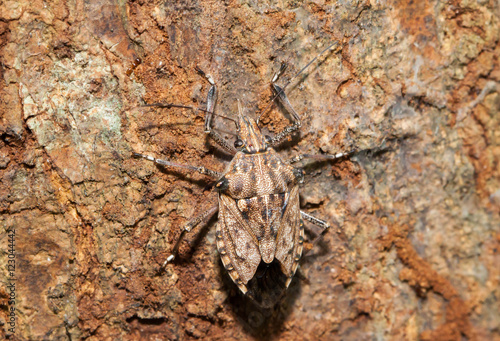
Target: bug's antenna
240 109
282 69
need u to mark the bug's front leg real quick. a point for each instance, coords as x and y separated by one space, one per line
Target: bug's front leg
211 102
283 99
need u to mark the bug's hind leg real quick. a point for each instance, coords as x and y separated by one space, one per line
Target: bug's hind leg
187 228
211 102
318 222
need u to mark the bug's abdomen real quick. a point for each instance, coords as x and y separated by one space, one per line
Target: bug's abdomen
256 229
263 214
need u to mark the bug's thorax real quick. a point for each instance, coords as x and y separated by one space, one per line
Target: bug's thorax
251 175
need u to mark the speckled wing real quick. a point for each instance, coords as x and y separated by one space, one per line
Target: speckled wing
236 244
264 214
290 238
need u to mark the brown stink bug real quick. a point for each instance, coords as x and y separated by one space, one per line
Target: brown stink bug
259 222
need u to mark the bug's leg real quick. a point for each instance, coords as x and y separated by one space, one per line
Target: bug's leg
167 164
187 228
317 157
211 102
283 99
318 222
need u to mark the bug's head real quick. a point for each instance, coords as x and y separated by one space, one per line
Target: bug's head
250 137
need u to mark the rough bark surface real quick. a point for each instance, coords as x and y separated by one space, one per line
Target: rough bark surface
415 248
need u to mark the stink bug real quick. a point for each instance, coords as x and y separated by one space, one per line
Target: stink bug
260 227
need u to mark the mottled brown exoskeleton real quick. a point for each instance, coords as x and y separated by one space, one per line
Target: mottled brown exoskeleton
259 221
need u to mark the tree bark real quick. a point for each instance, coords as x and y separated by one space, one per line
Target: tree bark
411 88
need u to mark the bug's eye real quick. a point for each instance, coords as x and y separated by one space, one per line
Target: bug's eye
238 143
269 139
